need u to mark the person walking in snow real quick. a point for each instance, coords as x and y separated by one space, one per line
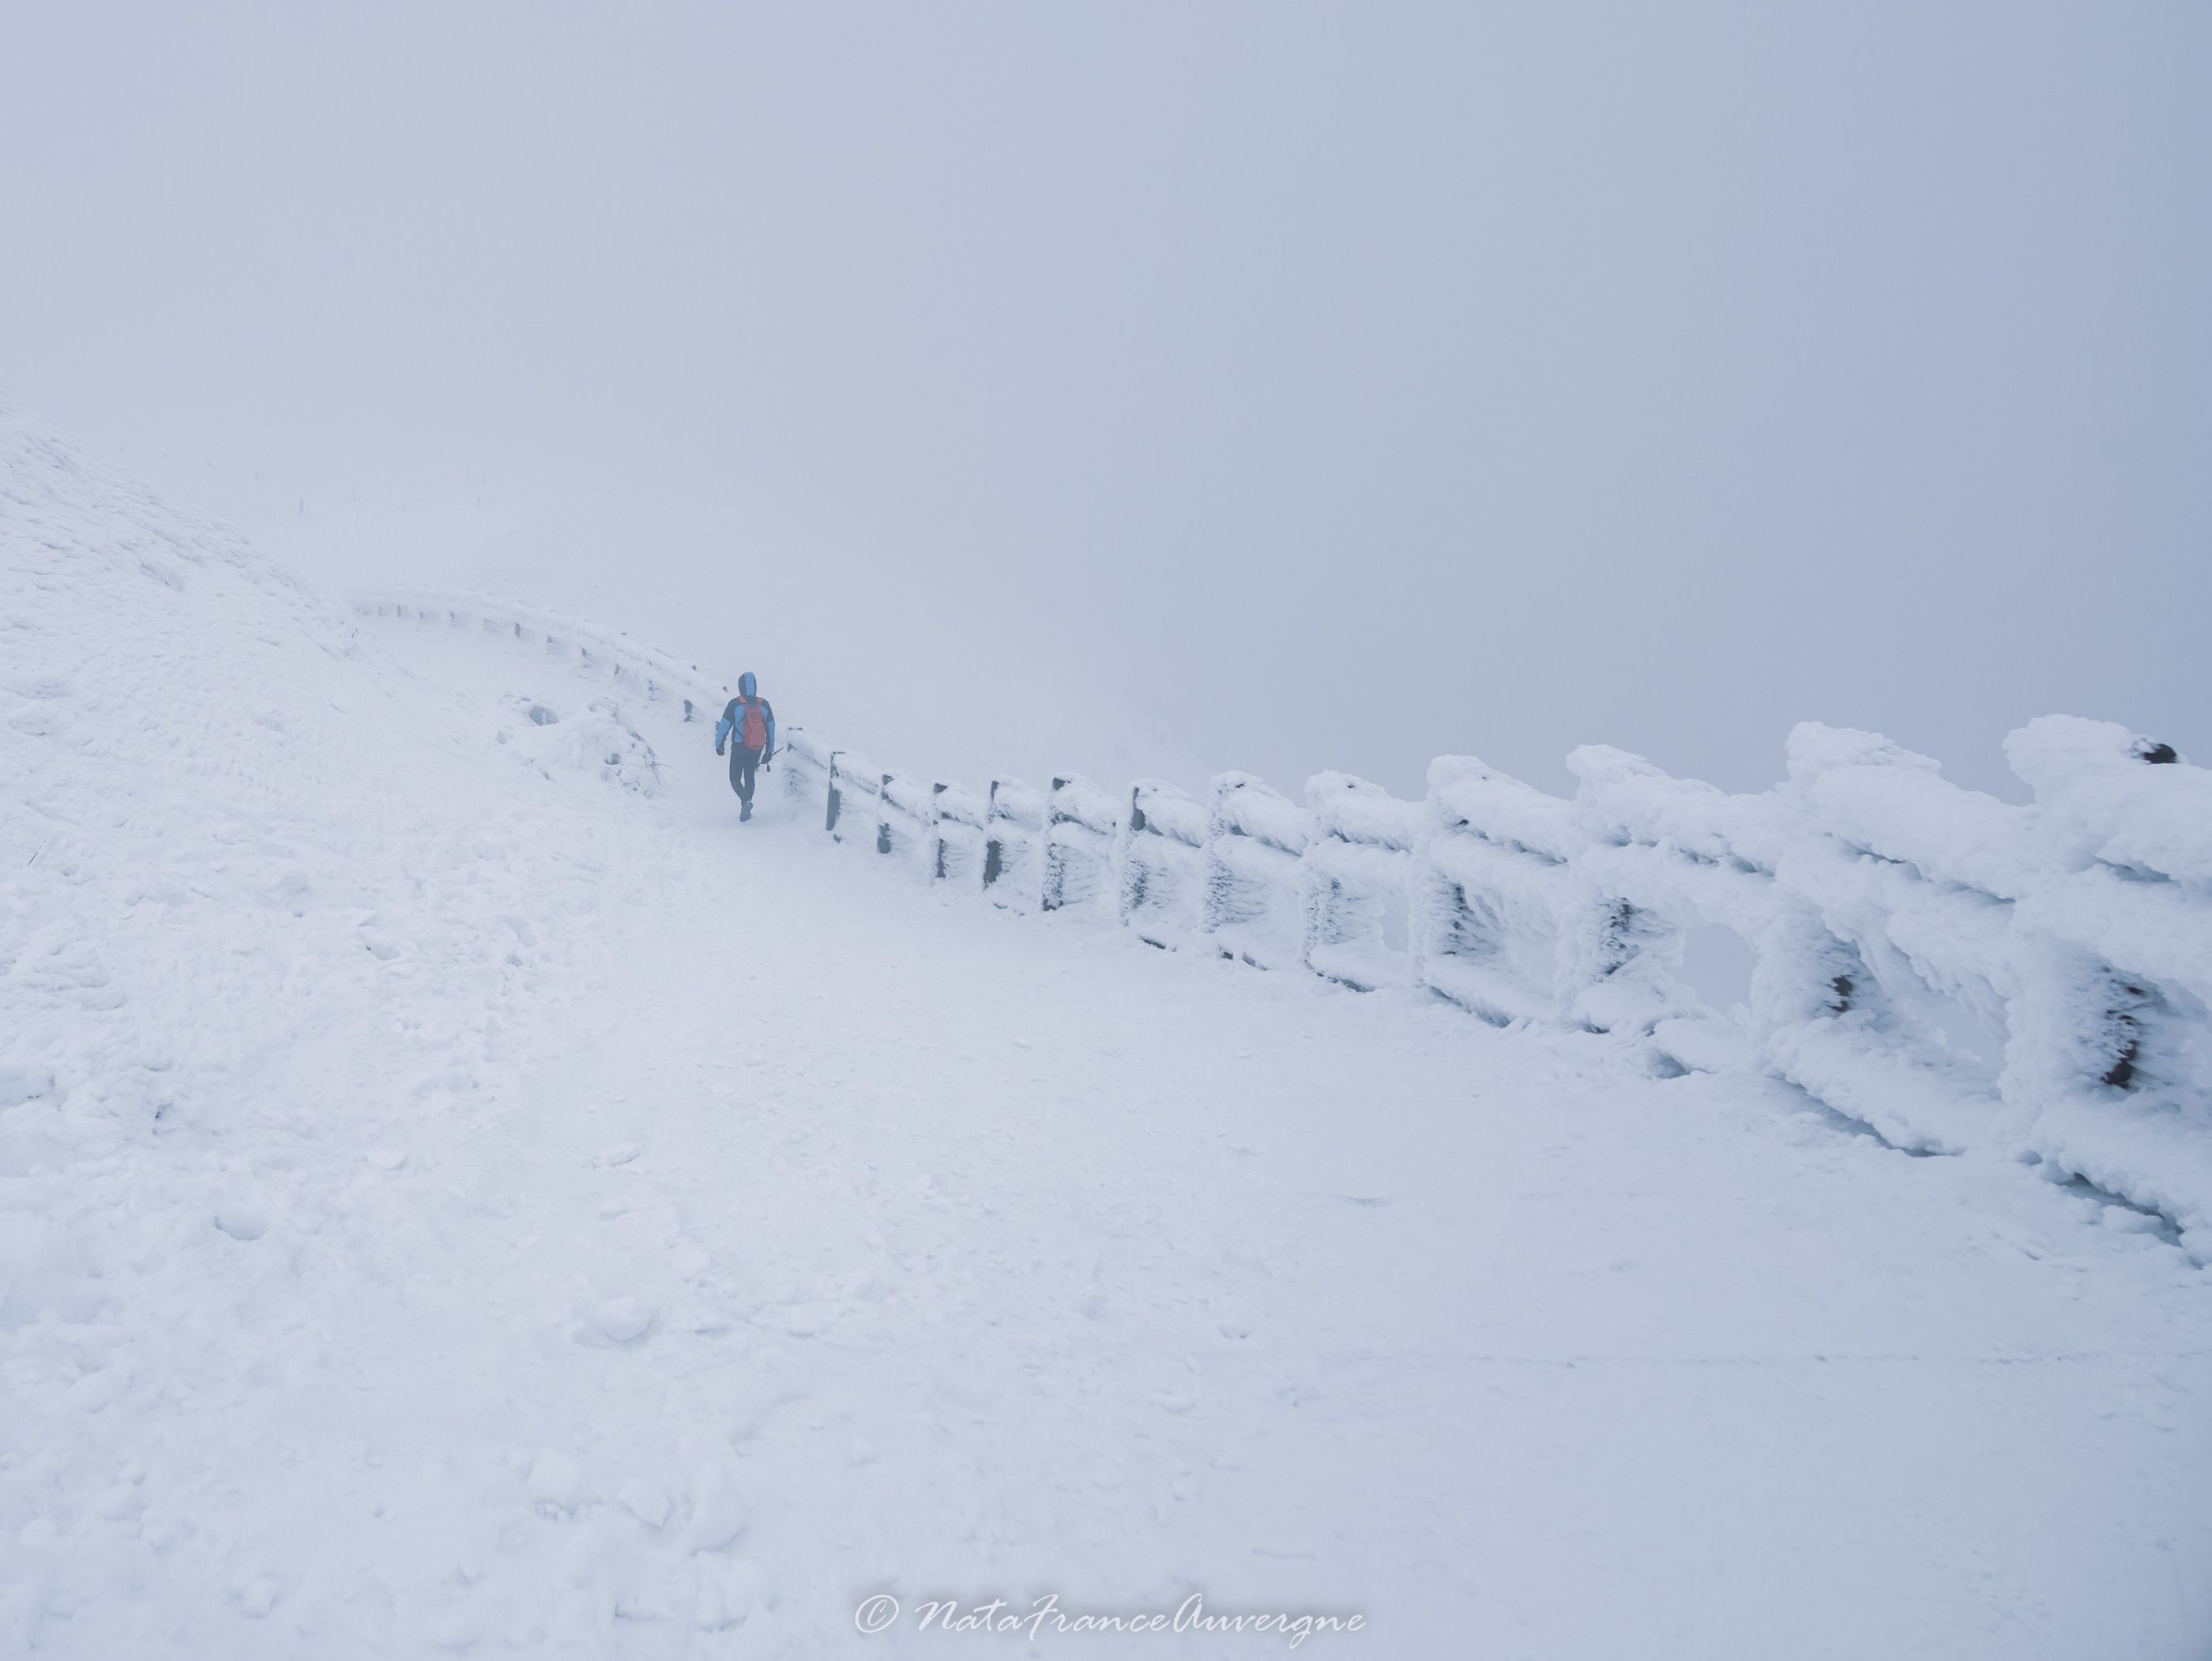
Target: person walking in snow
748 726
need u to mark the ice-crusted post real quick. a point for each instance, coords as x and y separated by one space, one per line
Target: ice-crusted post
904 817
1252 841
836 795
994 845
2112 1052
1621 956
1133 872
1492 886
1157 859
1890 943
1356 883
1055 860
857 782
1013 849
1683 854
804 761
1081 822
955 832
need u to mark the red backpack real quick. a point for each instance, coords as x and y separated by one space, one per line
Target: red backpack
752 724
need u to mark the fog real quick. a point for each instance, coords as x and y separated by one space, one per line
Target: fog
1343 385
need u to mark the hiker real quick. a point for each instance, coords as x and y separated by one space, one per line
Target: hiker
748 726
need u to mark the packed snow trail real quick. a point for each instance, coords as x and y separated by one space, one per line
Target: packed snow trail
465 1194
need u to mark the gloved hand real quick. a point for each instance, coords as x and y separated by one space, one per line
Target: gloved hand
768 767
717 749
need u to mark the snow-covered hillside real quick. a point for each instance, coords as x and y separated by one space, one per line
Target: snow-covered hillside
460 1192
934 665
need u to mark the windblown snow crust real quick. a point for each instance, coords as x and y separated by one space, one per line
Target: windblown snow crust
460 1192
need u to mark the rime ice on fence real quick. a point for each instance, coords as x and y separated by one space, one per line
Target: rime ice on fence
657 676
1160 863
1254 842
957 834
1082 826
1356 882
1493 890
906 819
1014 845
1957 972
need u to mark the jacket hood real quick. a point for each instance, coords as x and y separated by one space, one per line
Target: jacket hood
745 683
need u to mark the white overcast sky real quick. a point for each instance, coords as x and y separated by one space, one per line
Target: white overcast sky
1354 382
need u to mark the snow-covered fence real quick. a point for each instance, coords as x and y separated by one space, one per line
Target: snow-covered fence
946 826
1493 890
852 801
1357 882
2075 935
1958 972
1254 844
1014 845
806 763
1159 854
957 834
654 674
1082 826
906 823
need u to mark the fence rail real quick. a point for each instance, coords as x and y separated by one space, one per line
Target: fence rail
1957 972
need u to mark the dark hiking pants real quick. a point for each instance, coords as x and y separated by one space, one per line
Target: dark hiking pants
743 762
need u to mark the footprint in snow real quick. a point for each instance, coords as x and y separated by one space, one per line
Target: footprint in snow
719 1511
255 1598
617 1321
690 1259
645 1499
242 1222
803 1320
730 1590
556 1481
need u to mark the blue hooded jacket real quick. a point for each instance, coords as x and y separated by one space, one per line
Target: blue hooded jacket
732 716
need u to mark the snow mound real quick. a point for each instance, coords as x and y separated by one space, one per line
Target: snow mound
596 741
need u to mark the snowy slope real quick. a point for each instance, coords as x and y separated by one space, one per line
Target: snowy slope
460 1193
902 657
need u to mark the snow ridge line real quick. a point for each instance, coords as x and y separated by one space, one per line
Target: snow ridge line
1959 974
